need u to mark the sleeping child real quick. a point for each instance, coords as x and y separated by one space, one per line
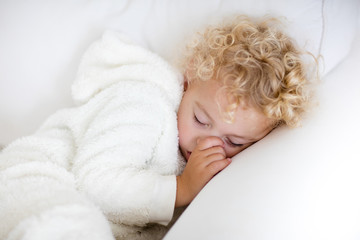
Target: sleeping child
145 138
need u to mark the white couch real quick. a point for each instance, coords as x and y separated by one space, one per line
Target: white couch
294 184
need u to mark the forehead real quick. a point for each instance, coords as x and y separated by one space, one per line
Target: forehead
248 121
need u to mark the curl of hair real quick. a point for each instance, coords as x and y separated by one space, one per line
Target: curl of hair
258 65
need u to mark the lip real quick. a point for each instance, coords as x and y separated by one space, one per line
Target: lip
187 155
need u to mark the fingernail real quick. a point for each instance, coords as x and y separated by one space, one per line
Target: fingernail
229 159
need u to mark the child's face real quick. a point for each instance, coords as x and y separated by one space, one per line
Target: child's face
199 117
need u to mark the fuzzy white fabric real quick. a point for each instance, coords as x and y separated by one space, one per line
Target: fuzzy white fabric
106 167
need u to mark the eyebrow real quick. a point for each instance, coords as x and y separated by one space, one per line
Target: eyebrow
212 120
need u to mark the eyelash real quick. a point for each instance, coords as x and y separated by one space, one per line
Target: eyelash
198 121
227 140
233 144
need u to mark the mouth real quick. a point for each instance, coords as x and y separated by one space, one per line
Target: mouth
187 155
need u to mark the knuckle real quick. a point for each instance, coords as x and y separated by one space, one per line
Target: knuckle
216 167
202 141
218 156
219 149
213 140
210 142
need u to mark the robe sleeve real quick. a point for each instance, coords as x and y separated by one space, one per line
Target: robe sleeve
38 196
129 99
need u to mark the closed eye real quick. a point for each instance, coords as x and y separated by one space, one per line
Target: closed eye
228 141
199 122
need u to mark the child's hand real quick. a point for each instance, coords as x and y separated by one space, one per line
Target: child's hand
207 159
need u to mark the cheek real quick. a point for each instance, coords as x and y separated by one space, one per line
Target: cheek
184 132
231 152
182 128
188 133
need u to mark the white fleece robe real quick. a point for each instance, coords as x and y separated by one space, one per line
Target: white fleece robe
106 167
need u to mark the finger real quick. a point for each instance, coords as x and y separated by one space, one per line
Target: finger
207 156
217 166
214 157
214 150
208 142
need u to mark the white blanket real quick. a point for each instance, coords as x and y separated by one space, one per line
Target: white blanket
108 165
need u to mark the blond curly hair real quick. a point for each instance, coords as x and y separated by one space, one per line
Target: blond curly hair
258 65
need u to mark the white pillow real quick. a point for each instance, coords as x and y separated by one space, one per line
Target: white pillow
298 184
